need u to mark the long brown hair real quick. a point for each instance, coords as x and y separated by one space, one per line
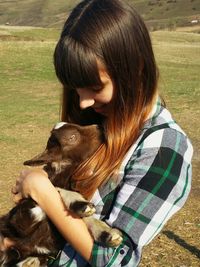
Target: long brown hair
113 33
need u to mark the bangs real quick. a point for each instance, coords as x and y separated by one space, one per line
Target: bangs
75 65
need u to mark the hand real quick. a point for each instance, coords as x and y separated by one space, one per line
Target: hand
28 183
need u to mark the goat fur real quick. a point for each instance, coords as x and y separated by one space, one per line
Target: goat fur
34 235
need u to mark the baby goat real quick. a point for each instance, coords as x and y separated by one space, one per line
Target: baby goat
26 224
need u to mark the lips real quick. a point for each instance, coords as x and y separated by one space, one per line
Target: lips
100 109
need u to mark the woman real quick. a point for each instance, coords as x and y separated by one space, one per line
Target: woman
142 175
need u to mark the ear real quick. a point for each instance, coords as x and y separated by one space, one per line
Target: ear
40 159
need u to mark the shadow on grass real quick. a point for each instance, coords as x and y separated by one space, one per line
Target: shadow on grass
192 249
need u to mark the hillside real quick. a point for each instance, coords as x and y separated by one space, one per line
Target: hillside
50 13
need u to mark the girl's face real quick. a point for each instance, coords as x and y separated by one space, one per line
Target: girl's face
97 98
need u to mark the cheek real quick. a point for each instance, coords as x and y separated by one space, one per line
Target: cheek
106 96
104 99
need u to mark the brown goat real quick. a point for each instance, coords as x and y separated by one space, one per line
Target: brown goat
26 224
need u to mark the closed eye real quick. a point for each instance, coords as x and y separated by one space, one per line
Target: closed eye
96 88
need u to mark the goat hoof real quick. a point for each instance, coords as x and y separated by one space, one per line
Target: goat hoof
82 208
113 238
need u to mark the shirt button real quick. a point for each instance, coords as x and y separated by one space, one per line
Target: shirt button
122 251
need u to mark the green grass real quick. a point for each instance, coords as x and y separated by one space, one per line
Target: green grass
29 107
48 13
179 65
29 100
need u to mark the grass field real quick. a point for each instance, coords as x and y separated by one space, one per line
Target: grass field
29 106
48 13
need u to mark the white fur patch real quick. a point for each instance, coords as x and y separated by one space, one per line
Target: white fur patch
38 214
59 125
31 261
20 264
42 250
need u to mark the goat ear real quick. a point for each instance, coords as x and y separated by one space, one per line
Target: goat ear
40 159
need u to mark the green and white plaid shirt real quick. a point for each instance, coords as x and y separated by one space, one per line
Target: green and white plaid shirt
153 184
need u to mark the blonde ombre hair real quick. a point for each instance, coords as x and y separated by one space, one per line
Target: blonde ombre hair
110 32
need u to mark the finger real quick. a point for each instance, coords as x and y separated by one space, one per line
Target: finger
14 190
19 179
24 173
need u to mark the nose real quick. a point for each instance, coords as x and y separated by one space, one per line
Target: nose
85 98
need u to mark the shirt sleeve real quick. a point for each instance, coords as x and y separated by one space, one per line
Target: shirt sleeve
155 185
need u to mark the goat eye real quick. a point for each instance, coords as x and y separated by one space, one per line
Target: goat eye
72 138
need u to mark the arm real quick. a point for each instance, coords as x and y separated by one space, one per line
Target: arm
148 197
36 184
155 185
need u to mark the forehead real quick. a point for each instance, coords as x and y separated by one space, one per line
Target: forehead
104 76
103 72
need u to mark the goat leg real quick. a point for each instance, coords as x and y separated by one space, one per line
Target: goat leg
103 233
76 203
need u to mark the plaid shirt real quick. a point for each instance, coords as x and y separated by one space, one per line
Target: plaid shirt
153 183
